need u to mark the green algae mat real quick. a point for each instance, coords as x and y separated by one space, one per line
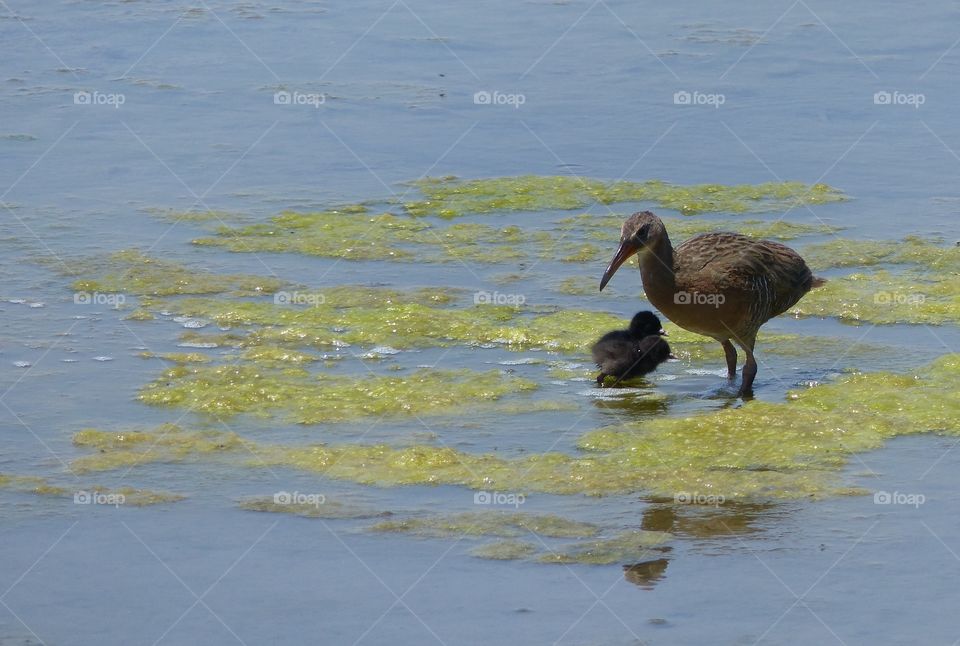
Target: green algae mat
274 352
791 449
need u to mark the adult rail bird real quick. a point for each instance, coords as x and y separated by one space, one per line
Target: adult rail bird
721 285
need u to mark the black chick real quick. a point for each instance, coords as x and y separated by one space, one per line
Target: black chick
632 352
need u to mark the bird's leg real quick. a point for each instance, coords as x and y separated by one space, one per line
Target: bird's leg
731 354
750 367
749 372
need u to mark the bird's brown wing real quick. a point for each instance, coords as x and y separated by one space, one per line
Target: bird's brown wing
771 275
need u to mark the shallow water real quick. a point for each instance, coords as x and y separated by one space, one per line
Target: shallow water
198 131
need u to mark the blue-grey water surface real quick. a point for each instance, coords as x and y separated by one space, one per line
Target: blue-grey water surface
198 128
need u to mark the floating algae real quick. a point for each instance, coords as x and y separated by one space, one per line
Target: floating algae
760 451
506 550
577 286
886 298
30 484
178 357
133 272
327 509
87 495
310 399
452 197
923 291
606 227
166 443
139 314
489 523
625 547
397 324
132 496
400 324
274 355
336 234
194 216
332 234
353 233
931 254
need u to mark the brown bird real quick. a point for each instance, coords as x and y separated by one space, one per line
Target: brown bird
721 285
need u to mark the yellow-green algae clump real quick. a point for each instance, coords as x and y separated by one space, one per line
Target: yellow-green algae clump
310 399
789 449
506 550
30 484
324 508
133 272
930 254
489 523
626 546
451 197
606 227
922 289
138 497
177 357
763 450
386 236
398 320
166 443
885 297
421 318
124 495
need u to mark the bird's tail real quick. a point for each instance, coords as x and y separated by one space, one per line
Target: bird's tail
817 282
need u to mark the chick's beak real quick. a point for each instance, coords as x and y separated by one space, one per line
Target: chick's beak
663 332
627 249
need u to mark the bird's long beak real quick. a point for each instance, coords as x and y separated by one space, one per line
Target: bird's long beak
627 249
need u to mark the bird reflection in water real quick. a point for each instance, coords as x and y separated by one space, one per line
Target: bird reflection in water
698 522
648 573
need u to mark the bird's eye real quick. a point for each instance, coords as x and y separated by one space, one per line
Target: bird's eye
643 231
